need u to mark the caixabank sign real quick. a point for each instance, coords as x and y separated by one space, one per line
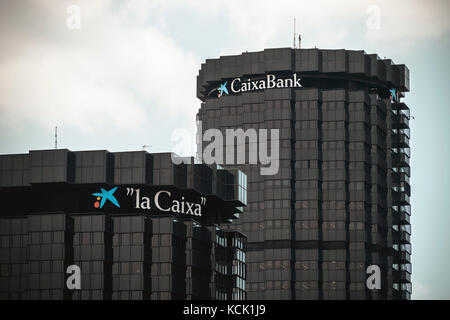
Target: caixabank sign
244 84
270 81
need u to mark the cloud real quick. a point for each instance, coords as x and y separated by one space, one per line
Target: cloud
338 24
253 25
115 71
133 60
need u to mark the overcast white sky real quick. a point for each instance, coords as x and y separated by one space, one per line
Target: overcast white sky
127 78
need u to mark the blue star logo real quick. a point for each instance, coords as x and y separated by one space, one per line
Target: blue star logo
107 195
222 89
393 92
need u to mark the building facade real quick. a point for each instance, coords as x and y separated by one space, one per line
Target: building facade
151 233
339 202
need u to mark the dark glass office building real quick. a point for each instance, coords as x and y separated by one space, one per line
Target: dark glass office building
340 200
137 225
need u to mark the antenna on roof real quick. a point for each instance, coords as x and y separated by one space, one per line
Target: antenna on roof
295 36
56 137
145 147
294 32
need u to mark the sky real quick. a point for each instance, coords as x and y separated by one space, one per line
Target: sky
123 75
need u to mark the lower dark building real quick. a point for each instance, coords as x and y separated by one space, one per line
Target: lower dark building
136 225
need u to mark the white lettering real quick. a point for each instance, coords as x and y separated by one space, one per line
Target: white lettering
157 199
232 85
145 203
270 81
297 81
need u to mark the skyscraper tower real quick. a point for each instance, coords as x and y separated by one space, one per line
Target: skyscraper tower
340 200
